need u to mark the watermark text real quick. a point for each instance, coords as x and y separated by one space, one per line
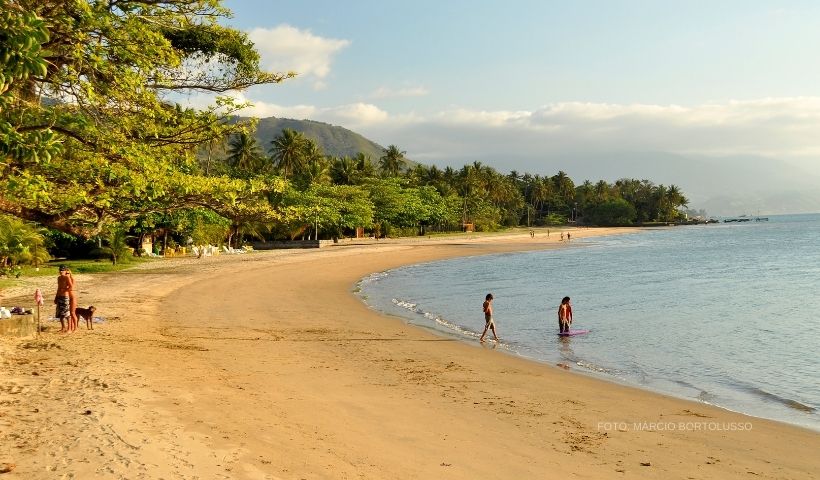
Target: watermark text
674 426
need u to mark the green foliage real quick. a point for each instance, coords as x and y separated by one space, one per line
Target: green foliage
612 212
94 266
112 148
333 209
117 246
392 162
245 156
21 243
554 219
288 151
203 226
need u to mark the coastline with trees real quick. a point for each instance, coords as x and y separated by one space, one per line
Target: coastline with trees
95 147
265 365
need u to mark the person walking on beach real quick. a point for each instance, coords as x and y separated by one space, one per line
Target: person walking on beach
564 315
562 236
65 284
489 323
567 236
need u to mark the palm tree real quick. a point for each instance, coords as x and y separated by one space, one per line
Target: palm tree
542 193
343 170
392 162
564 186
601 190
364 165
288 152
316 172
21 242
244 153
315 168
675 197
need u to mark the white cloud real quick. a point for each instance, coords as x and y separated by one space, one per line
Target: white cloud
785 128
387 92
354 115
779 127
287 48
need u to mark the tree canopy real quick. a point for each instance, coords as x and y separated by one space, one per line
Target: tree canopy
93 143
88 131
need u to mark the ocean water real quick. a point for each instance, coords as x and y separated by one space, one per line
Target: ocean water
726 314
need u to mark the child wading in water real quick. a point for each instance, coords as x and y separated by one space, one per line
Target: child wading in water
488 317
564 315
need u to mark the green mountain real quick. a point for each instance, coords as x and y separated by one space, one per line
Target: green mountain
335 141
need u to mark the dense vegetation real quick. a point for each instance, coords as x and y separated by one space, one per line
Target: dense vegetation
92 145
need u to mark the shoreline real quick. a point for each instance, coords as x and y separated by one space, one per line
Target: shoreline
462 332
201 375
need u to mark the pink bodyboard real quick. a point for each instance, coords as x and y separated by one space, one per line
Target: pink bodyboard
573 332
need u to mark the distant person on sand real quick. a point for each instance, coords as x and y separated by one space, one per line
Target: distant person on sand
489 323
567 236
65 284
564 315
562 236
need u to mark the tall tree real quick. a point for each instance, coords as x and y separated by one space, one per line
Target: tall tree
316 168
244 153
343 170
288 151
87 134
364 166
392 162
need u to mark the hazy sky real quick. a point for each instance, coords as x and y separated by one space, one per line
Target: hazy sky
500 80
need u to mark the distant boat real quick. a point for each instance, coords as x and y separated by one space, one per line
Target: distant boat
745 218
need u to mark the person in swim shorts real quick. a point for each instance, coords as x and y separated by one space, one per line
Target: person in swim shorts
489 323
62 300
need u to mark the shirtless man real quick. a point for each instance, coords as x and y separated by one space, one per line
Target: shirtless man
489 323
564 315
65 286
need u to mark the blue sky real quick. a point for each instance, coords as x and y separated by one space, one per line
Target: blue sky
527 85
517 54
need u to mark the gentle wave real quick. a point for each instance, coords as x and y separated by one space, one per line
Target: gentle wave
794 404
438 319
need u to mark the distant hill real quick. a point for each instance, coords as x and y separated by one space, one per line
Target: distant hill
334 140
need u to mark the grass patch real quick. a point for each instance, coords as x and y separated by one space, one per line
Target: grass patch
77 266
95 266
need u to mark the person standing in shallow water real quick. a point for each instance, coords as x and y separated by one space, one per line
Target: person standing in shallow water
564 315
489 323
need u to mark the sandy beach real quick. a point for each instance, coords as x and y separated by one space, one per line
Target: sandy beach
266 366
